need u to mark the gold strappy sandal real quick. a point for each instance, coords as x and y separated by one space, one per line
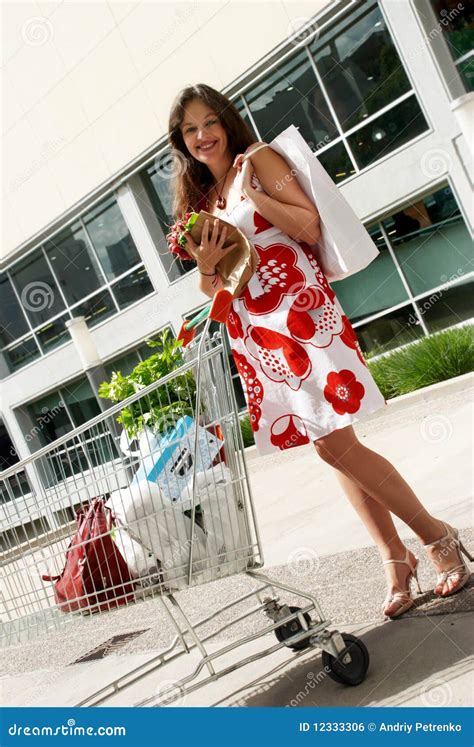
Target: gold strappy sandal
460 571
403 598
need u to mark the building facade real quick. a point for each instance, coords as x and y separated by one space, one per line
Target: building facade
370 85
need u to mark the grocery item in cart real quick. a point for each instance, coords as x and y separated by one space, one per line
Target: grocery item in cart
168 459
227 547
95 577
163 530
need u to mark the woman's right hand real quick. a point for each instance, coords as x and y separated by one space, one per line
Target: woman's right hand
211 249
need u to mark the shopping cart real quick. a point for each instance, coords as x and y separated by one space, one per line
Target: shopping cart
193 502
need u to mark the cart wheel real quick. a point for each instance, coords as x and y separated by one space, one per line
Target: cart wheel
289 629
354 671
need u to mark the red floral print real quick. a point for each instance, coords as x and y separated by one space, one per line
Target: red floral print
234 325
349 338
261 223
253 388
280 357
319 274
278 275
343 391
288 431
313 319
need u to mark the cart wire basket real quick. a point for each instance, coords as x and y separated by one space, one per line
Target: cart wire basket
145 509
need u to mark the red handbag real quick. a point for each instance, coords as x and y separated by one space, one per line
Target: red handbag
95 577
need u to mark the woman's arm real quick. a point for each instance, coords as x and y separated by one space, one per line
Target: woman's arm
284 203
209 285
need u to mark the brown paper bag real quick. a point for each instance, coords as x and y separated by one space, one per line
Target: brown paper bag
237 267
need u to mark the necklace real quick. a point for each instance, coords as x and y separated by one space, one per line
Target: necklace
221 201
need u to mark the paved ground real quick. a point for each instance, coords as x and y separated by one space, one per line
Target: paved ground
314 541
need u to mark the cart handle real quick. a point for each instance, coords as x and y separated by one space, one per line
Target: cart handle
218 310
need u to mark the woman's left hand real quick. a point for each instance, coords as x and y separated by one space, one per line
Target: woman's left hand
247 174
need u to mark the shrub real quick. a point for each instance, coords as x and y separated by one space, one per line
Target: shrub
437 358
247 433
165 404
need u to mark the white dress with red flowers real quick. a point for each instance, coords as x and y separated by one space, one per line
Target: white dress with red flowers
297 355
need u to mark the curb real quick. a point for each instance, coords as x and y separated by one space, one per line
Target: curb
425 394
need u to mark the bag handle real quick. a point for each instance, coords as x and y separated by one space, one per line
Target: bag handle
127 529
258 147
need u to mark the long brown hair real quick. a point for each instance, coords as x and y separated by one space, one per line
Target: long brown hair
193 179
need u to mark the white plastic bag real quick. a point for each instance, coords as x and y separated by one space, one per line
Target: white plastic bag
345 246
227 549
163 530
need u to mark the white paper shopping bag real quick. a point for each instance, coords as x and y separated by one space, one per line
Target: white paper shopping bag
345 246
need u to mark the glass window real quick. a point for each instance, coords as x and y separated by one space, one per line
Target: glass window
12 320
21 353
446 307
16 485
337 163
359 66
125 364
373 289
53 334
239 105
81 401
389 331
456 21
388 132
37 288
50 418
431 241
96 309
74 263
111 238
132 287
291 95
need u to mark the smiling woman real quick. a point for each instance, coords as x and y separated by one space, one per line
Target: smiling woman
302 370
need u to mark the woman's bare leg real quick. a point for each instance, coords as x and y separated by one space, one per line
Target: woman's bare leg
379 523
380 480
